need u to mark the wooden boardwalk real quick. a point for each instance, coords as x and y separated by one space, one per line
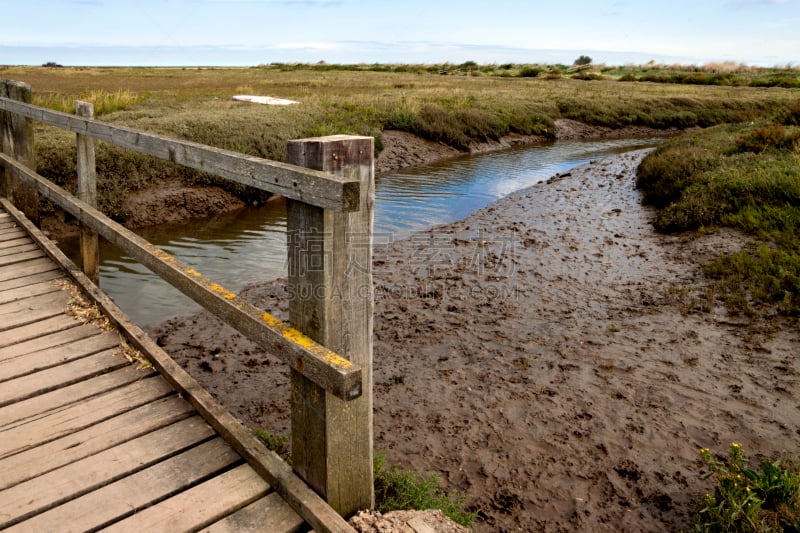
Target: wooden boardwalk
89 440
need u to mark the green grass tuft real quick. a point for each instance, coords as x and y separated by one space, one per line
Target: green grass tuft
761 500
276 443
742 176
396 490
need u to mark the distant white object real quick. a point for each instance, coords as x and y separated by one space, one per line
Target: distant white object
266 100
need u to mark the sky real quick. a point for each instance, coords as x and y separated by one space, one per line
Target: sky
253 32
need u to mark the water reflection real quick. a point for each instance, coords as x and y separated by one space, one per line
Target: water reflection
250 245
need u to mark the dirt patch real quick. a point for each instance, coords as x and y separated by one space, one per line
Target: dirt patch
169 202
567 129
432 521
542 356
402 149
173 202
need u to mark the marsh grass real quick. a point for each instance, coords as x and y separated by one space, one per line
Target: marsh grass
399 490
742 176
278 443
469 104
758 500
104 101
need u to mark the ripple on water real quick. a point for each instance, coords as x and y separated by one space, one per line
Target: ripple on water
250 245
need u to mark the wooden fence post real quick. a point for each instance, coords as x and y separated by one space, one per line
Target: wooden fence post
331 301
16 140
87 191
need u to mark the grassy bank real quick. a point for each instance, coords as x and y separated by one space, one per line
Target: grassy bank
472 103
744 176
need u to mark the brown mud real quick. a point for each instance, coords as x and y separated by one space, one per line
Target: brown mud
545 357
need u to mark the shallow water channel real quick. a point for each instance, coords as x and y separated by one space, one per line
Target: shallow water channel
250 245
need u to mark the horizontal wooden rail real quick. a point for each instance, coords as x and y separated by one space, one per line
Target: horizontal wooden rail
309 186
327 369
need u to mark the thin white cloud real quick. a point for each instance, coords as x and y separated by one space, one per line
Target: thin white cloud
307 46
741 4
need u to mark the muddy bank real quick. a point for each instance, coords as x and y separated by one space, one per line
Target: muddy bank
402 149
543 356
170 202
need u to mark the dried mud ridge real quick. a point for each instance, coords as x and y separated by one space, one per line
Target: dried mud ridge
535 354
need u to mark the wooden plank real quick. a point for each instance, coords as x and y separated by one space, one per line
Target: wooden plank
309 186
42 405
35 289
330 260
16 249
30 385
130 494
31 279
16 141
17 242
78 478
22 317
42 360
34 266
270 513
58 338
321 365
93 439
209 502
57 298
32 331
10 234
20 257
83 415
278 474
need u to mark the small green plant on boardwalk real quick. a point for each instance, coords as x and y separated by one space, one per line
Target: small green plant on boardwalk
748 500
399 490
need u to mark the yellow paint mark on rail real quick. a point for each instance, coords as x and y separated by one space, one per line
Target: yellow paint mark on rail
298 338
289 333
228 295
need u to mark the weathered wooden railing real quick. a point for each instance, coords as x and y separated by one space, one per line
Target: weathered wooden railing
330 192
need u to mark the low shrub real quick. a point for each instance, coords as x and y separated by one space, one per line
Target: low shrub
791 115
758 276
396 490
104 101
665 174
530 72
760 139
747 178
748 500
587 76
460 128
787 82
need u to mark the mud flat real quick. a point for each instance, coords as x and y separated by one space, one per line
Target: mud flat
536 355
